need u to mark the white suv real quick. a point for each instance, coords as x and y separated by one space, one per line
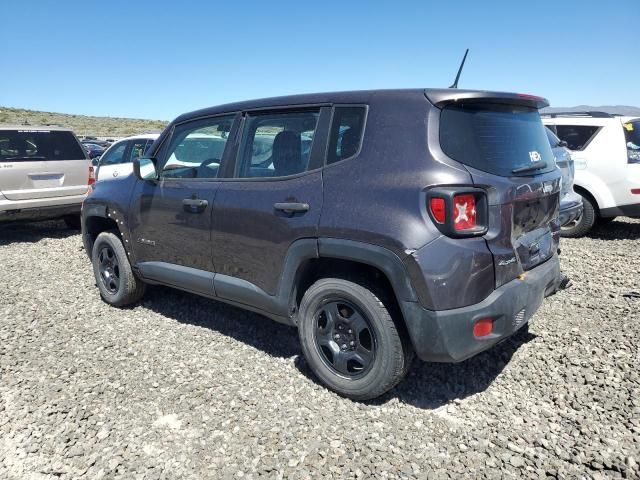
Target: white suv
606 153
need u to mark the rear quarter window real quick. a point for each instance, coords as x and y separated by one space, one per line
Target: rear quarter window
39 145
347 128
578 137
498 139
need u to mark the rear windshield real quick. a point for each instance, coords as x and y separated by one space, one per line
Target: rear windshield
39 145
504 140
632 138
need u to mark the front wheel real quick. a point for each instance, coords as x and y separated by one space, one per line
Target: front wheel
116 281
350 340
581 225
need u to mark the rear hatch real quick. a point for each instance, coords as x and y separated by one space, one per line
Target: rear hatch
40 163
501 141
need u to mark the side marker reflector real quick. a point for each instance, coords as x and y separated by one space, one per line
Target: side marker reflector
483 327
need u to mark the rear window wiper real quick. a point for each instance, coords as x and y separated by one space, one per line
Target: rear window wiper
529 168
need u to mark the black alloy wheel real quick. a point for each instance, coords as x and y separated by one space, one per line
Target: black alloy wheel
109 269
344 338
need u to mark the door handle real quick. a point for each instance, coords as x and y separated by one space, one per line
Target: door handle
194 205
291 207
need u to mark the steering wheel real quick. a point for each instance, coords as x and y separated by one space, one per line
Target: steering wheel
209 161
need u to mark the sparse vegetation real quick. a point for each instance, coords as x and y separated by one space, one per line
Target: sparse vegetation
81 124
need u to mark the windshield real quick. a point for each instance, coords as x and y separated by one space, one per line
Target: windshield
39 145
504 140
632 139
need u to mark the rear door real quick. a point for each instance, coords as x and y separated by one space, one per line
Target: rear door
273 199
505 149
38 164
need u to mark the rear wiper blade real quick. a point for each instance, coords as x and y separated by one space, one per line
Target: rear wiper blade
529 168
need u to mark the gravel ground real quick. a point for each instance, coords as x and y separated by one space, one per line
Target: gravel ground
184 387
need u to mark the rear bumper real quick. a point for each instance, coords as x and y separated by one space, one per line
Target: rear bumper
39 213
447 335
632 210
570 209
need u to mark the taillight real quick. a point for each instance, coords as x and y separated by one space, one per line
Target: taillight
635 191
92 175
459 211
464 212
438 209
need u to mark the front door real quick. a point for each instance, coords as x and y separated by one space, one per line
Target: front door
274 199
171 217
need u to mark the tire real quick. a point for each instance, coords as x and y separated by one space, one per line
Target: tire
115 279
339 320
72 221
582 224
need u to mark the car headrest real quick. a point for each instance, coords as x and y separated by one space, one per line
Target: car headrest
287 153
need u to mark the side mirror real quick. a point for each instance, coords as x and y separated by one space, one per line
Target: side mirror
95 161
145 168
563 144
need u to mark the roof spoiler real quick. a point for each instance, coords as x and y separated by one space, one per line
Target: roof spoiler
591 114
444 96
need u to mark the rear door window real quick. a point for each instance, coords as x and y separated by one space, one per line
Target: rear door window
577 136
503 140
39 145
277 144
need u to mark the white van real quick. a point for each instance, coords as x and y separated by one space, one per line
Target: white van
606 153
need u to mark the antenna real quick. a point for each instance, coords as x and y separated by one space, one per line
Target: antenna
455 84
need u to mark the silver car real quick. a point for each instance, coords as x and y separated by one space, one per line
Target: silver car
570 201
44 173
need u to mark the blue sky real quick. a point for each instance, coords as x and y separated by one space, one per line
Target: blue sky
157 59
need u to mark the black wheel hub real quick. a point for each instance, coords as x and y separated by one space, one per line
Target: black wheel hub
109 269
344 338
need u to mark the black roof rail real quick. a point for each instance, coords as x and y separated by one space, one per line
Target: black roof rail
580 114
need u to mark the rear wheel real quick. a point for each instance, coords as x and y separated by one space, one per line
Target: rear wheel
581 225
116 281
350 340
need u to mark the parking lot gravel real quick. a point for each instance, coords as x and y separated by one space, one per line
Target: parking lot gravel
184 387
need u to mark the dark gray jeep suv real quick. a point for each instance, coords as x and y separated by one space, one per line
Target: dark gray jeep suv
380 223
